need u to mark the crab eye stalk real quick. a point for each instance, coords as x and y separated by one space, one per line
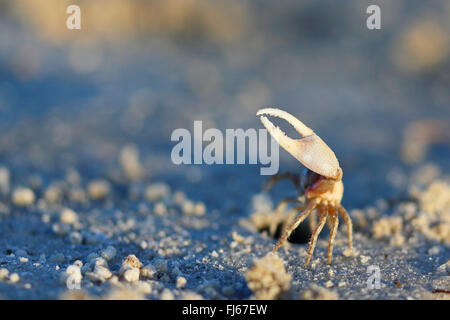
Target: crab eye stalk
310 150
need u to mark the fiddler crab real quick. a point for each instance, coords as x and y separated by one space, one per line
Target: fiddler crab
320 185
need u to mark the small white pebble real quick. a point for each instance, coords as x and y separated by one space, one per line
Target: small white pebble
199 209
342 284
237 237
167 295
329 284
132 261
131 274
102 272
78 263
364 259
434 250
14 278
181 282
188 207
160 209
191 295
129 160
215 254
53 194
3 273
23 197
178 197
77 195
68 216
144 244
45 218
23 259
73 177
157 191
99 189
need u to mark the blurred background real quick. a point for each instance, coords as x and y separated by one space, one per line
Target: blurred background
139 69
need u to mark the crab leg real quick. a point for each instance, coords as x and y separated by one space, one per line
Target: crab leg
312 242
294 225
269 183
333 228
279 210
283 203
312 221
291 216
348 221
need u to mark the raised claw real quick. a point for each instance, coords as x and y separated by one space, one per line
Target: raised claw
310 150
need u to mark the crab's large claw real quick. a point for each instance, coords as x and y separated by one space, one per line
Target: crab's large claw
310 150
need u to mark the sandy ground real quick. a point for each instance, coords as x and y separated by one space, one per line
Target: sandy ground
191 252
86 178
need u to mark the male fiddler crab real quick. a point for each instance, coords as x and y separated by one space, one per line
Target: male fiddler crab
320 184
